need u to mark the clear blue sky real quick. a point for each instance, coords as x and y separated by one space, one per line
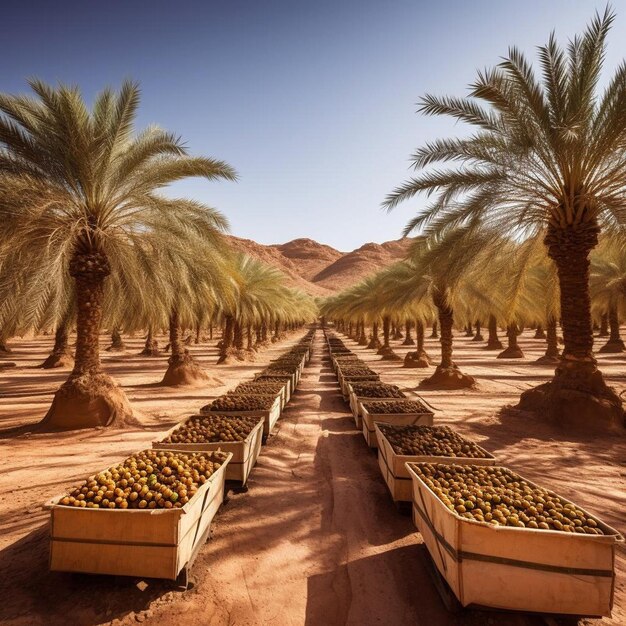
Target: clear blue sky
312 101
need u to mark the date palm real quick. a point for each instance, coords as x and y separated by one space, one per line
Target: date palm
608 286
546 153
85 187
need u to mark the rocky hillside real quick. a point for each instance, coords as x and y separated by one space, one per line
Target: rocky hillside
319 269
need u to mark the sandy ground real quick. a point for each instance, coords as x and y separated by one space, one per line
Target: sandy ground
316 540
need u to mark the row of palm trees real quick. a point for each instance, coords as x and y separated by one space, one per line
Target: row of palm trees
544 163
496 285
89 240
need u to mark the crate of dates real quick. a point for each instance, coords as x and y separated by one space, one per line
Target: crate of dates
400 412
246 405
501 541
240 436
370 392
146 516
399 445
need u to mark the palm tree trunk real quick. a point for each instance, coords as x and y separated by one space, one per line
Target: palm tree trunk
386 350
577 392
151 347
89 397
447 375
197 338
512 351
446 321
90 296
181 370
4 348
60 355
478 335
615 343
539 333
227 339
117 345
386 331
493 343
249 337
238 336
176 342
604 326
397 333
363 336
374 343
419 335
408 340
552 354
434 334
275 337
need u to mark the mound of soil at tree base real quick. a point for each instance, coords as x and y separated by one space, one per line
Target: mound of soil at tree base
58 359
187 373
414 359
512 352
448 378
88 401
389 355
548 360
374 344
596 410
613 347
151 350
494 345
116 347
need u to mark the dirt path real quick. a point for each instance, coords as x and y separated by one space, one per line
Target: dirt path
316 540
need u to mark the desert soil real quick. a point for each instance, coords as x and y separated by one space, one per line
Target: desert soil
316 540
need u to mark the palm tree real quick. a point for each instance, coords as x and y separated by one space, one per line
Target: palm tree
263 300
608 286
547 154
86 187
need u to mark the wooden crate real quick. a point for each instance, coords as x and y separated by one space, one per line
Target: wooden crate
521 569
298 370
284 396
149 543
244 453
394 470
356 405
399 419
289 377
289 389
270 416
344 381
337 361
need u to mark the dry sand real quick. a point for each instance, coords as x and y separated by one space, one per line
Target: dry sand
316 540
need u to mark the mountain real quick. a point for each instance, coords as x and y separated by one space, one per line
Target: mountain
320 270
